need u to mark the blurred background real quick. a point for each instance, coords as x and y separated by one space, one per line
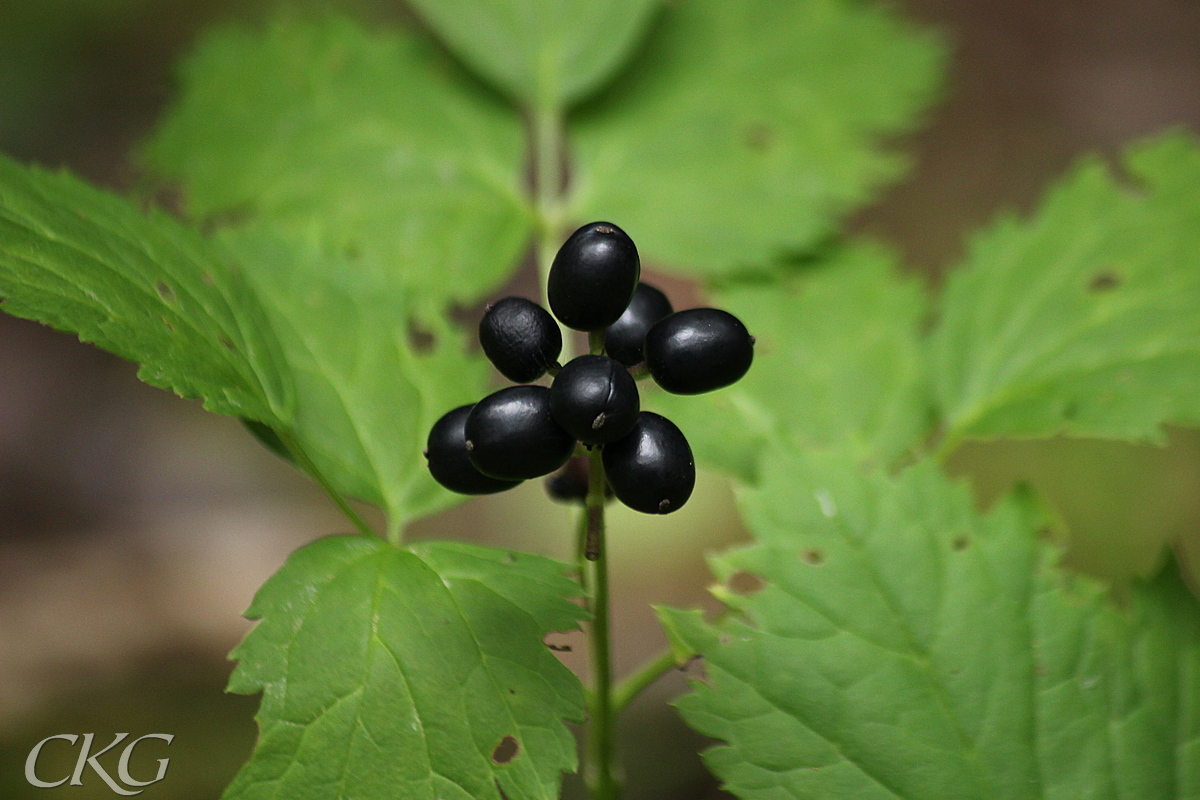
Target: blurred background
135 528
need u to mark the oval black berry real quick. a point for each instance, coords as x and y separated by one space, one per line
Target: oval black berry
520 338
623 339
446 452
698 350
594 399
651 469
593 277
512 435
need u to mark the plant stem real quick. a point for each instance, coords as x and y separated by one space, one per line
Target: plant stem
310 467
548 180
642 677
653 669
581 561
548 185
601 753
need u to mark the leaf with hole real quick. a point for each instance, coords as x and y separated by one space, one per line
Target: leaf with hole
1085 318
904 646
372 374
837 363
142 286
418 673
713 168
369 143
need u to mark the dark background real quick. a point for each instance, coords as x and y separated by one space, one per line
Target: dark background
134 527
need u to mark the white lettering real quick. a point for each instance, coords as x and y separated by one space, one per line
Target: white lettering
123 764
90 761
31 761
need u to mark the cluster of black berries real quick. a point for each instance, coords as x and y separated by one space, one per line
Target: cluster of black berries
527 431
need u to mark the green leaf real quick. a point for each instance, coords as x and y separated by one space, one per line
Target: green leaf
544 53
837 363
372 374
744 131
904 646
1084 319
391 672
370 143
139 285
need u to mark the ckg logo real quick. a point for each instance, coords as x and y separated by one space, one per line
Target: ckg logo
85 760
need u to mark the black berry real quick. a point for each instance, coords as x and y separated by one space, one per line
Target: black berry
446 452
593 277
698 350
521 339
624 338
512 435
570 484
651 469
594 399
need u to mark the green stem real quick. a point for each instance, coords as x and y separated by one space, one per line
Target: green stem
601 750
653 669
642 678
581 556
302 458
548 183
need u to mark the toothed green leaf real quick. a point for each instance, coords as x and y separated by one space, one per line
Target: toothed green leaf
745 131
142 286
837 363
390 672
369 143
1085 318
372 373
905 646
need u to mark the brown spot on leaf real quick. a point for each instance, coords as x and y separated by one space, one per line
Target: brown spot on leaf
960 543
1104 281
759 137
744 583
165 292
225 340
506 751
420 339
206 279
814 557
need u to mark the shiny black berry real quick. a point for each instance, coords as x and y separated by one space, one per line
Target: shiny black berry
446 452
593 277
651 468
570 484
511 434
698 350
594 399
521 339
623 339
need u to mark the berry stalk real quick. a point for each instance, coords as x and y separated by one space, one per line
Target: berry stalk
601 752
